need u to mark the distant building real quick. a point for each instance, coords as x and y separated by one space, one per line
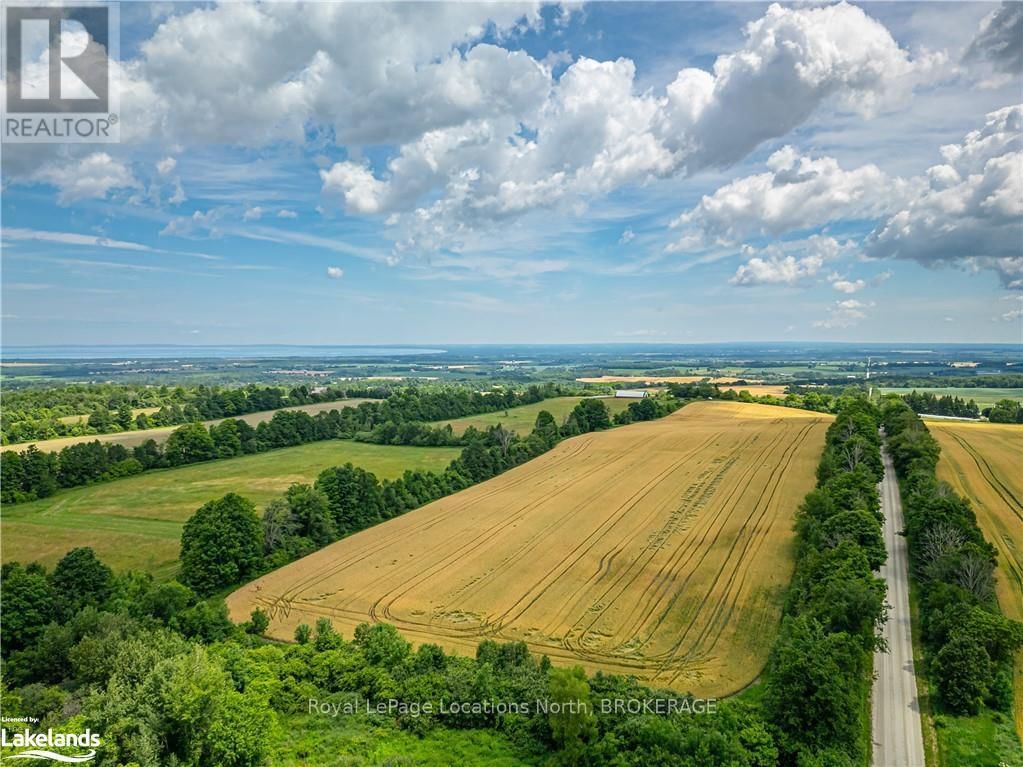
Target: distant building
630 394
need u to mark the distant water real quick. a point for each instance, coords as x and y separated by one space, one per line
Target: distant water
165 352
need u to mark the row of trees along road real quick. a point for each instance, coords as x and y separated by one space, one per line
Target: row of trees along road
970 645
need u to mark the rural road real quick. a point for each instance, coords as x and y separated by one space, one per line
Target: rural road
896 732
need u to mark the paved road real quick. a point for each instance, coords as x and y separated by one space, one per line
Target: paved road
896 728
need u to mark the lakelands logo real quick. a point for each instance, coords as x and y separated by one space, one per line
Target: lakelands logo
39 745
59 73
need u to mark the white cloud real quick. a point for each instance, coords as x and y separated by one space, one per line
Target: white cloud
335 272
198 223
970 211
848 286
374 73
798 192
70 238
355 186
253 214
284 213
627 236
793 263
1012 315
178 195
93 241
89 177
166 165
590 132
844 314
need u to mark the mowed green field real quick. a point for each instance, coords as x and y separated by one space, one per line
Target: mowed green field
983 397
521 419
135 523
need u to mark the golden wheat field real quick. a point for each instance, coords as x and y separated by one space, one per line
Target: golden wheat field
659 550
982 462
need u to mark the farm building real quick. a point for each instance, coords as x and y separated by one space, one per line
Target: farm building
630 394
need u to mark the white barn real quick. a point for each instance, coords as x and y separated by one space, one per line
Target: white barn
629 394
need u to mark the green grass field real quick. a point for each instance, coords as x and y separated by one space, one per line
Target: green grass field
521 419
135 523
983 397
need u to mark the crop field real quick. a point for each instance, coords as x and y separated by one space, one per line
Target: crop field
982 462
659 549
984 397
521 419
133 438
136 522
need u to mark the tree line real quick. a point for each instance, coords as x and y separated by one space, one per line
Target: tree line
819 676
969 644
36 414
33 474
929 403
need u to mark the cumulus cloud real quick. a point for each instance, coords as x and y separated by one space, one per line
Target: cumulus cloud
966 211
627 236
285 213
844 314
788 263
166 165
335 272
970 211
590 131
355 186
999 40
253 214
200 222
848 286
89 177
373 73
797 192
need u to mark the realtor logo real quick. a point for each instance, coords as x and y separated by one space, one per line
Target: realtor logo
59 73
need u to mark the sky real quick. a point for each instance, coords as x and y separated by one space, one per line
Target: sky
534 173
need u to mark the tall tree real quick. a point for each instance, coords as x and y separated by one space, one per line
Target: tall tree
221 545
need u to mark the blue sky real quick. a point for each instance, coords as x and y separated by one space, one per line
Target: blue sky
434 173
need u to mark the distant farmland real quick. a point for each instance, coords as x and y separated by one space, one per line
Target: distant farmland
521 419
984 397
982 462
133 438
136 522
660 549
657 379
